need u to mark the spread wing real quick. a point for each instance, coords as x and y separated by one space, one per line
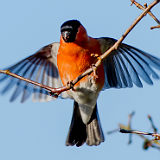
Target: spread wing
128 65
40 67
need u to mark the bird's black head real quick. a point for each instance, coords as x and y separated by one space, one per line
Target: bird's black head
69 30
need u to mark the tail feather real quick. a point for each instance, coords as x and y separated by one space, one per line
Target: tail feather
79 133
94 131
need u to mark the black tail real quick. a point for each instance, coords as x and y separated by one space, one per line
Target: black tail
80 133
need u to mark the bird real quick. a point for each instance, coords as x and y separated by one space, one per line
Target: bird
59 63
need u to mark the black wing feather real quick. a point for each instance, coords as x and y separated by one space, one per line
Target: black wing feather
40 67
127 65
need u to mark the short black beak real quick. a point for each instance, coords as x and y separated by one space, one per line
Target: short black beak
66 36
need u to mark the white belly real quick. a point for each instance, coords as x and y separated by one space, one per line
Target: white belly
85 95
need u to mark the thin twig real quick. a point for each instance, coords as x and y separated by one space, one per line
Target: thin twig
130 116
57 91
148 142
54 91
143 8
127 127
158 26
152 124
135 132
113 131
156 135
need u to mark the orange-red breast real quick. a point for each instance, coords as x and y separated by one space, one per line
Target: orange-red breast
76 55
58 63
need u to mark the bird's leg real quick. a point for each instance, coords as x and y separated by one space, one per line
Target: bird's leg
55 95
70 85
94 68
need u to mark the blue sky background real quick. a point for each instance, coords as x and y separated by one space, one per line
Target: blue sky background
37 131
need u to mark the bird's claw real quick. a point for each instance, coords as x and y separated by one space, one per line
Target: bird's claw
55 95
70 85
94 68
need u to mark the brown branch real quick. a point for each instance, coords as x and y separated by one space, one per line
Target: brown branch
57 91
113 131
54 91
154 143
130 116
158 26
150 13
127 127
152 124
156 135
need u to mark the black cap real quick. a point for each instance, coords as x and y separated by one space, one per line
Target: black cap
69 30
